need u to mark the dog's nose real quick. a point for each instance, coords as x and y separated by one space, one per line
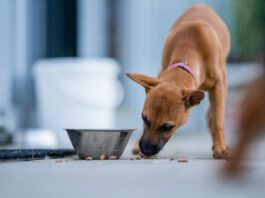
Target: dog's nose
148 149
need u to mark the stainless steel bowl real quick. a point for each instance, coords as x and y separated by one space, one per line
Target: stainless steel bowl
94 143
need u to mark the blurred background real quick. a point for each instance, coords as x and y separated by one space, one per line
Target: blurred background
62 63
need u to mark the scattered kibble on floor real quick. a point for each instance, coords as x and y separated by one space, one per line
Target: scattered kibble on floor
59 161
112 157
180 160
153 157
183 160
102 157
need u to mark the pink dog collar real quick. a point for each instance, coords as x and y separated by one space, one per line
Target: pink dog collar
186 67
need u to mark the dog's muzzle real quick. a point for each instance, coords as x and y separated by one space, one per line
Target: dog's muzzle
149 149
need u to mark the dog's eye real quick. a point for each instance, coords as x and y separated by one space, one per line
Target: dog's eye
146 121
165 127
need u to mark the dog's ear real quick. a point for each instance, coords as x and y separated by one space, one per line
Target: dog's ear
146 81
193 98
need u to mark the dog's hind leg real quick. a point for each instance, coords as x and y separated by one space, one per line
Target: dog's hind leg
216 121
247 135
251 123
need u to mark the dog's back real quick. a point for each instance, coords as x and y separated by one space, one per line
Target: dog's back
201 34
203 14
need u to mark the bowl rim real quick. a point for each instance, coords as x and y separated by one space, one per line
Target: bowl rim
101 130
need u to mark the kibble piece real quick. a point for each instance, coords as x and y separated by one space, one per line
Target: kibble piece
102 157
89 158
138 158
59 161
183 160
112 157
172 159
132 158
153 157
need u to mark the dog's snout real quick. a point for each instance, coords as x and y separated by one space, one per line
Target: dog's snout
148 149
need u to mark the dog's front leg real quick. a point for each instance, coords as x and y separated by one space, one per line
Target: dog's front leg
216 122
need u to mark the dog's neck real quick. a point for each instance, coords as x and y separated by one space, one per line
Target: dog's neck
178 75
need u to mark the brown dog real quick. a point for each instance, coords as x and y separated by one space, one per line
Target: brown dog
251 122
202 39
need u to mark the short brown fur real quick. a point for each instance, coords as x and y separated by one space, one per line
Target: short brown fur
251 123
202 39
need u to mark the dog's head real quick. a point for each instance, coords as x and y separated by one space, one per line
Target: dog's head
165 109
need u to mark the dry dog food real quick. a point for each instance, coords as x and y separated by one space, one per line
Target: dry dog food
153 157
89 158
112 157
138 158
59 161
132 158
183 160
102 157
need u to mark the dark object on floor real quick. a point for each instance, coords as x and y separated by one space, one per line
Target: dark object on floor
34 154
5 138
5 135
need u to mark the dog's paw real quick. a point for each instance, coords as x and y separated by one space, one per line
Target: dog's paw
222 153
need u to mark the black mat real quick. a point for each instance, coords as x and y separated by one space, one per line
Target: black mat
34 154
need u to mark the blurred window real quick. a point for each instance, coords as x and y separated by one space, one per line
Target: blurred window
61 28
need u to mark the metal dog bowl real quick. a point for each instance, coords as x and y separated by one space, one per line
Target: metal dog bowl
94 143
